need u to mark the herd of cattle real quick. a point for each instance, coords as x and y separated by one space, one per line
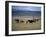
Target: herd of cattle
27 21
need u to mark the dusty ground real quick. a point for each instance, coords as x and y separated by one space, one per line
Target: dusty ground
24 26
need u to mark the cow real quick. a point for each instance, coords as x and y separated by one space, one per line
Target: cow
31 21
21 21
17 20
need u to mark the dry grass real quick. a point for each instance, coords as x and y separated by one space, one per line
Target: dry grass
24 26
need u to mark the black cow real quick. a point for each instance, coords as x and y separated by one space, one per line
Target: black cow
31 21
17 20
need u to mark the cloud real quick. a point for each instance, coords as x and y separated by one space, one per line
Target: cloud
26 8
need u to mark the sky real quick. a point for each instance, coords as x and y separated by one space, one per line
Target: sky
26 10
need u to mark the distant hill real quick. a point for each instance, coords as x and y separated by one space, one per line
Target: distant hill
26 17
26 13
